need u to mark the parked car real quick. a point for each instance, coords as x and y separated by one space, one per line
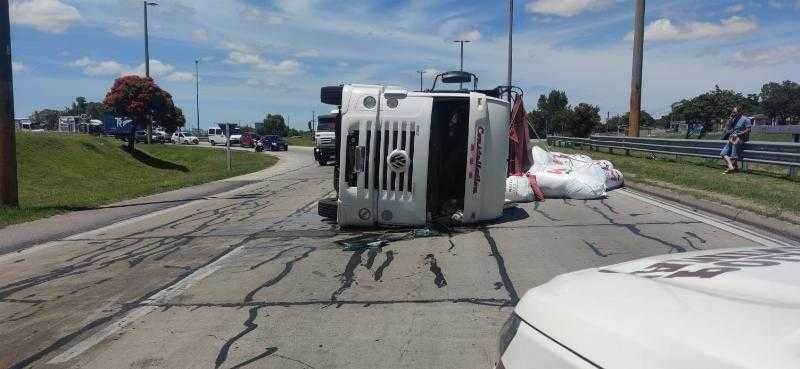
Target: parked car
275 143
184 138
729 308
249 139
155 138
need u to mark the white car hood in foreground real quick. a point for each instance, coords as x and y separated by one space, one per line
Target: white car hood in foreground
732 308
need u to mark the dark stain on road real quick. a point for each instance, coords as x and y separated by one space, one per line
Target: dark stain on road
501 266
634 228
371 254
388 260
595 249
287 268
438 278
19 261
607 205
347 278
692 236
544 214
249 326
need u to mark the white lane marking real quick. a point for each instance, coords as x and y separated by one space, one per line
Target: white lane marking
691 214
139 312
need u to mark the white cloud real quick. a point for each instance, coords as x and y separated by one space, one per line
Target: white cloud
200 35
566 8
309 53
235 46
158 69
665 30
18 67
161 70
262 16
180 77
93 67
473 36
767 57
736 8
50 16
127 28
284 67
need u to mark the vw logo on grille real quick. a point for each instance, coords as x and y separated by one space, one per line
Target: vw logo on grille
398 161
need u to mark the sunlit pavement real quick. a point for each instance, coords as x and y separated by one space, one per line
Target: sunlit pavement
251 277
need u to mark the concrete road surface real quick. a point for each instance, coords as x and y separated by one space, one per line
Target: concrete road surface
251 278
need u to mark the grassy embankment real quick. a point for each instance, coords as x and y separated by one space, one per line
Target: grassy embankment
301 141
774 137
764 189
60 173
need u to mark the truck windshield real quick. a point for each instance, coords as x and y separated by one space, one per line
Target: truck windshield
326 126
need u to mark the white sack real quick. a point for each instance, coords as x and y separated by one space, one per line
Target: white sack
573 176
518 189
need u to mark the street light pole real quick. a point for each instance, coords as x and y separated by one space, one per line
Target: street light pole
147 65
197 92
9 192
510 52
461 63
420 72
636 75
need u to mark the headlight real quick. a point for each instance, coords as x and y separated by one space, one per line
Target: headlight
507 334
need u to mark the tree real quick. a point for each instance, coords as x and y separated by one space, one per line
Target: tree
273 124
781 101
552 113
140 99
714 107
47 118
586 118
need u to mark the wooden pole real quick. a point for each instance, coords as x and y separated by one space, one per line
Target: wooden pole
636 79
9 195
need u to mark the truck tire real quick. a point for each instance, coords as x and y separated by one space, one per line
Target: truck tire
326 208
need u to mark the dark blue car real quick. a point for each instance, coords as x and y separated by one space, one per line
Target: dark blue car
275 143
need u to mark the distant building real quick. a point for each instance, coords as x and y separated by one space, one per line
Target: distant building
23 124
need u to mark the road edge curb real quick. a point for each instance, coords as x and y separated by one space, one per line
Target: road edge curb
777 226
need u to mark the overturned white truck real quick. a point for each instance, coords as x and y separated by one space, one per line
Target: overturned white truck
405 158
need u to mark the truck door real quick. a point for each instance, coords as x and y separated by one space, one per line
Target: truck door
401 164
360 118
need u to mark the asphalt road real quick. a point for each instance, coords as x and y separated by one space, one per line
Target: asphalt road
251 278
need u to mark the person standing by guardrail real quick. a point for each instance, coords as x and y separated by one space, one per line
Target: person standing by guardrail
737 133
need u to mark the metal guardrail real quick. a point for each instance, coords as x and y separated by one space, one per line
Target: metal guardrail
784 154
794 130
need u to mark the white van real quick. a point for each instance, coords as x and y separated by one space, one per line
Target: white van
216 136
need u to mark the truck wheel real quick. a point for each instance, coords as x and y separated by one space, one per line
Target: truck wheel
322 163
326 208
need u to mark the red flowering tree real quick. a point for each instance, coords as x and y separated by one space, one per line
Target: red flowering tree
141 100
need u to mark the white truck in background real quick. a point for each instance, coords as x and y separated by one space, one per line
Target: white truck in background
325 138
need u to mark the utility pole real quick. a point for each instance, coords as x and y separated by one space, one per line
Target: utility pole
421 73
147 65
510 53
197 92
636 79
9 195
461 63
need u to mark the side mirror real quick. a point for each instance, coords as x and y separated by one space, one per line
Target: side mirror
331 95
456 77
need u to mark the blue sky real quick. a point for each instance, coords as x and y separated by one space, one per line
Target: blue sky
273 55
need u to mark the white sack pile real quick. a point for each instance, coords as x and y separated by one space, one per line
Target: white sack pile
573 176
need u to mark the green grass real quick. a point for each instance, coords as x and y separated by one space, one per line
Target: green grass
770 137
59 173
768 187
301 141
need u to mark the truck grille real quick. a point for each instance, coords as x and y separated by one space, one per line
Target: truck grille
391 136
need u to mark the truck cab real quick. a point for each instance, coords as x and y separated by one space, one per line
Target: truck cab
406 158
325 138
